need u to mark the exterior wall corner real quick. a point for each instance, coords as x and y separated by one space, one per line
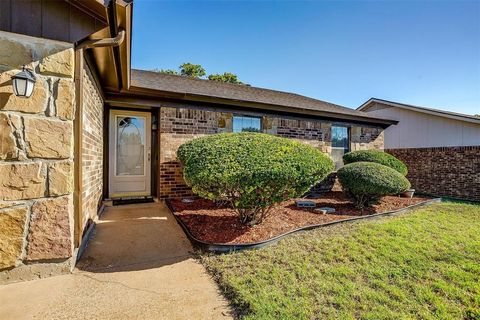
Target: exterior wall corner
36 157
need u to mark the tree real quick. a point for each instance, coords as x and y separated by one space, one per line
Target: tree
376 156
225 77
167 71
196 71
367 182
192 70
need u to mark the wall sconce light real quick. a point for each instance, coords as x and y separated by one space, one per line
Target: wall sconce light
24 82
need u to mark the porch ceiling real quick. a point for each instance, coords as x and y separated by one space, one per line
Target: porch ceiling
112 63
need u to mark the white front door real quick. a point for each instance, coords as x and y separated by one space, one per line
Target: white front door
129 153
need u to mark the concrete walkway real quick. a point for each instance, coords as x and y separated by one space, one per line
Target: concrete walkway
137 266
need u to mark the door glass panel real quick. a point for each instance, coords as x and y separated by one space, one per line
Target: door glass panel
130 146
340 143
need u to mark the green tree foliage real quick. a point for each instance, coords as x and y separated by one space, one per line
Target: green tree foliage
167 71
376 156
251 171
192 70
225 77
368 182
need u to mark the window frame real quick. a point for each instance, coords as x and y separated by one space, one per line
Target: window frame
346 149
238 115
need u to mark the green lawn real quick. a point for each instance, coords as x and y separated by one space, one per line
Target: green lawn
421 265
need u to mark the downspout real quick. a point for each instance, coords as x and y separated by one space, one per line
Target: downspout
114 43
99 43
78 125
77 157
114 30
80 48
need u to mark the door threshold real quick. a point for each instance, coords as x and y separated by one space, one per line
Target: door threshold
132 200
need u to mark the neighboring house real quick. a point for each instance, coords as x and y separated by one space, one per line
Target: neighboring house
441 148
94 129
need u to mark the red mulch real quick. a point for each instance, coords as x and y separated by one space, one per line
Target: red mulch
219 224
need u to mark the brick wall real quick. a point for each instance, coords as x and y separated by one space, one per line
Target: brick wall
443 171
315 133
92 148
36 158
179 125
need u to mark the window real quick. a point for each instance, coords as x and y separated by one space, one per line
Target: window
130 140
340 145
244 123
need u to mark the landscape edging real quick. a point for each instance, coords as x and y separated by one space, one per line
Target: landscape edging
226 248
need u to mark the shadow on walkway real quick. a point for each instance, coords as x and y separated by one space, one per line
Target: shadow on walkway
138 265
135 237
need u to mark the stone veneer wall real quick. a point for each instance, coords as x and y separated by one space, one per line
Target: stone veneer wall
443 171
92 149
179 125
366 138
36 157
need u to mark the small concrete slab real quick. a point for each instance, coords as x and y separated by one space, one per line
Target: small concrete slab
305 204
325 210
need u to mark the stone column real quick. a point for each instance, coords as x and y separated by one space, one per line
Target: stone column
36 157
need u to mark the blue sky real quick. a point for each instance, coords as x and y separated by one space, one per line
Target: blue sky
418 52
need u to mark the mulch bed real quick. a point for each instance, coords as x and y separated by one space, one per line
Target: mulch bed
214 223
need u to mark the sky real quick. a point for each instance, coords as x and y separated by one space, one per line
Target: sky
424 53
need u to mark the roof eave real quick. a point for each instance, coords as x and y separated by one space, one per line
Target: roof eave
157 94
365 104
438 113
113 63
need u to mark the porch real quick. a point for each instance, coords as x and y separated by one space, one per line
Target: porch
138 265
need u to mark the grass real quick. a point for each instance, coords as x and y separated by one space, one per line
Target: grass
421 265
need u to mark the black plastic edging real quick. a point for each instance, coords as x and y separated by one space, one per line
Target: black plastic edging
225 248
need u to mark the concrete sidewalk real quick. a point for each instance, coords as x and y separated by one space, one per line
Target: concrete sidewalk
138 266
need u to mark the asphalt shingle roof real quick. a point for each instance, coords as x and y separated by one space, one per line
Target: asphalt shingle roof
191 86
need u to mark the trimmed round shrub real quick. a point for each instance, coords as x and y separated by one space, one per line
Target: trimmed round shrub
252 171
368 182
378 157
